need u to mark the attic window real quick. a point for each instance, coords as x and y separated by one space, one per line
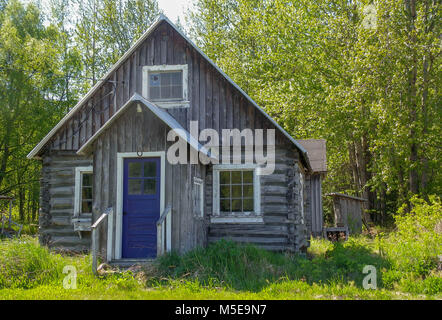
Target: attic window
166 85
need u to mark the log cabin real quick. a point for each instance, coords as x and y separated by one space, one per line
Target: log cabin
114 155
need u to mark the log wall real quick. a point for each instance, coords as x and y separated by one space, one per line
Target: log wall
57 201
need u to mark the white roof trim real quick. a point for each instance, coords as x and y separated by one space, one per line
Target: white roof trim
160 113
161 18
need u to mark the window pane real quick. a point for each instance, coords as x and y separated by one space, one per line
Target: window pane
248 205
154 80
87 179
150 169
236 205
236 176
224 177
165 79
135 186
154 93
176 78
248 176
248 191
135 169
225 205
166 92
86 206
86 193
225 191
236 192
177 92
149 186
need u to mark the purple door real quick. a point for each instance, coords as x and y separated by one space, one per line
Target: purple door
141 207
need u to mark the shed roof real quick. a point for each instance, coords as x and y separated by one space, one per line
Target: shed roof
317 155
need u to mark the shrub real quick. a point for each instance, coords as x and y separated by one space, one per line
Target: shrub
24 264
416 245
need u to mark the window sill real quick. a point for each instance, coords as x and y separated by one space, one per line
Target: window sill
172 104
233 219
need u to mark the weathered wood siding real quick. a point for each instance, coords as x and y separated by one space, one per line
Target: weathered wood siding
57 201
313 205
144 131
214 102
348 213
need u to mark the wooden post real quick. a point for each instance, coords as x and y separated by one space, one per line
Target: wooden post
94 250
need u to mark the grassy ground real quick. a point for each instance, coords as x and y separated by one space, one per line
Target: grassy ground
223 271
406 261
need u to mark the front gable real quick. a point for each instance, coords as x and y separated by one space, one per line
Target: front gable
214 100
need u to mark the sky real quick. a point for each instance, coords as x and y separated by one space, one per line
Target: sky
174 8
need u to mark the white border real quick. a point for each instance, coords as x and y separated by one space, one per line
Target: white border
162 68
256 216
78 183
119 203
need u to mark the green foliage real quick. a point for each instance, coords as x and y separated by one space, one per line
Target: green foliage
224 270
24 264
416 246
322 71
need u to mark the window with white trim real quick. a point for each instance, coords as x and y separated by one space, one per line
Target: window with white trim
166 85
84 181
236 196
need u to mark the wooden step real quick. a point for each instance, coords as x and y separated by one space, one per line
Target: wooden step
124 263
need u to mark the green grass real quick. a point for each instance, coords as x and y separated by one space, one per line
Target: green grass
406 262
224 270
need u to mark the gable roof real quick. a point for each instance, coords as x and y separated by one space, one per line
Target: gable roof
160 113
35 152
316 153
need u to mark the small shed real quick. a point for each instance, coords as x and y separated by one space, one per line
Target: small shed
316 149
348 211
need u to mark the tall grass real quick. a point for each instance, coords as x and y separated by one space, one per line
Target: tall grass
406 262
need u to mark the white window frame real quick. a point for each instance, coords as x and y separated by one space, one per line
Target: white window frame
184 103
78 184
250 217
200 182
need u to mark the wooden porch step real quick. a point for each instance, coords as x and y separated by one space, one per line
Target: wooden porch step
124 263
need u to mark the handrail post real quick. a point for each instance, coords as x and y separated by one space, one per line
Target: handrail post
163 224
95 239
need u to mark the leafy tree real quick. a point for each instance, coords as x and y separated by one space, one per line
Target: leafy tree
364 75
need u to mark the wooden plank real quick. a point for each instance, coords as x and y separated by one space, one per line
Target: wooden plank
163 52
209 106
126 80
133 74
202 97
176 209
229 107
157 48
169 53
215 103
194 90
222 106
